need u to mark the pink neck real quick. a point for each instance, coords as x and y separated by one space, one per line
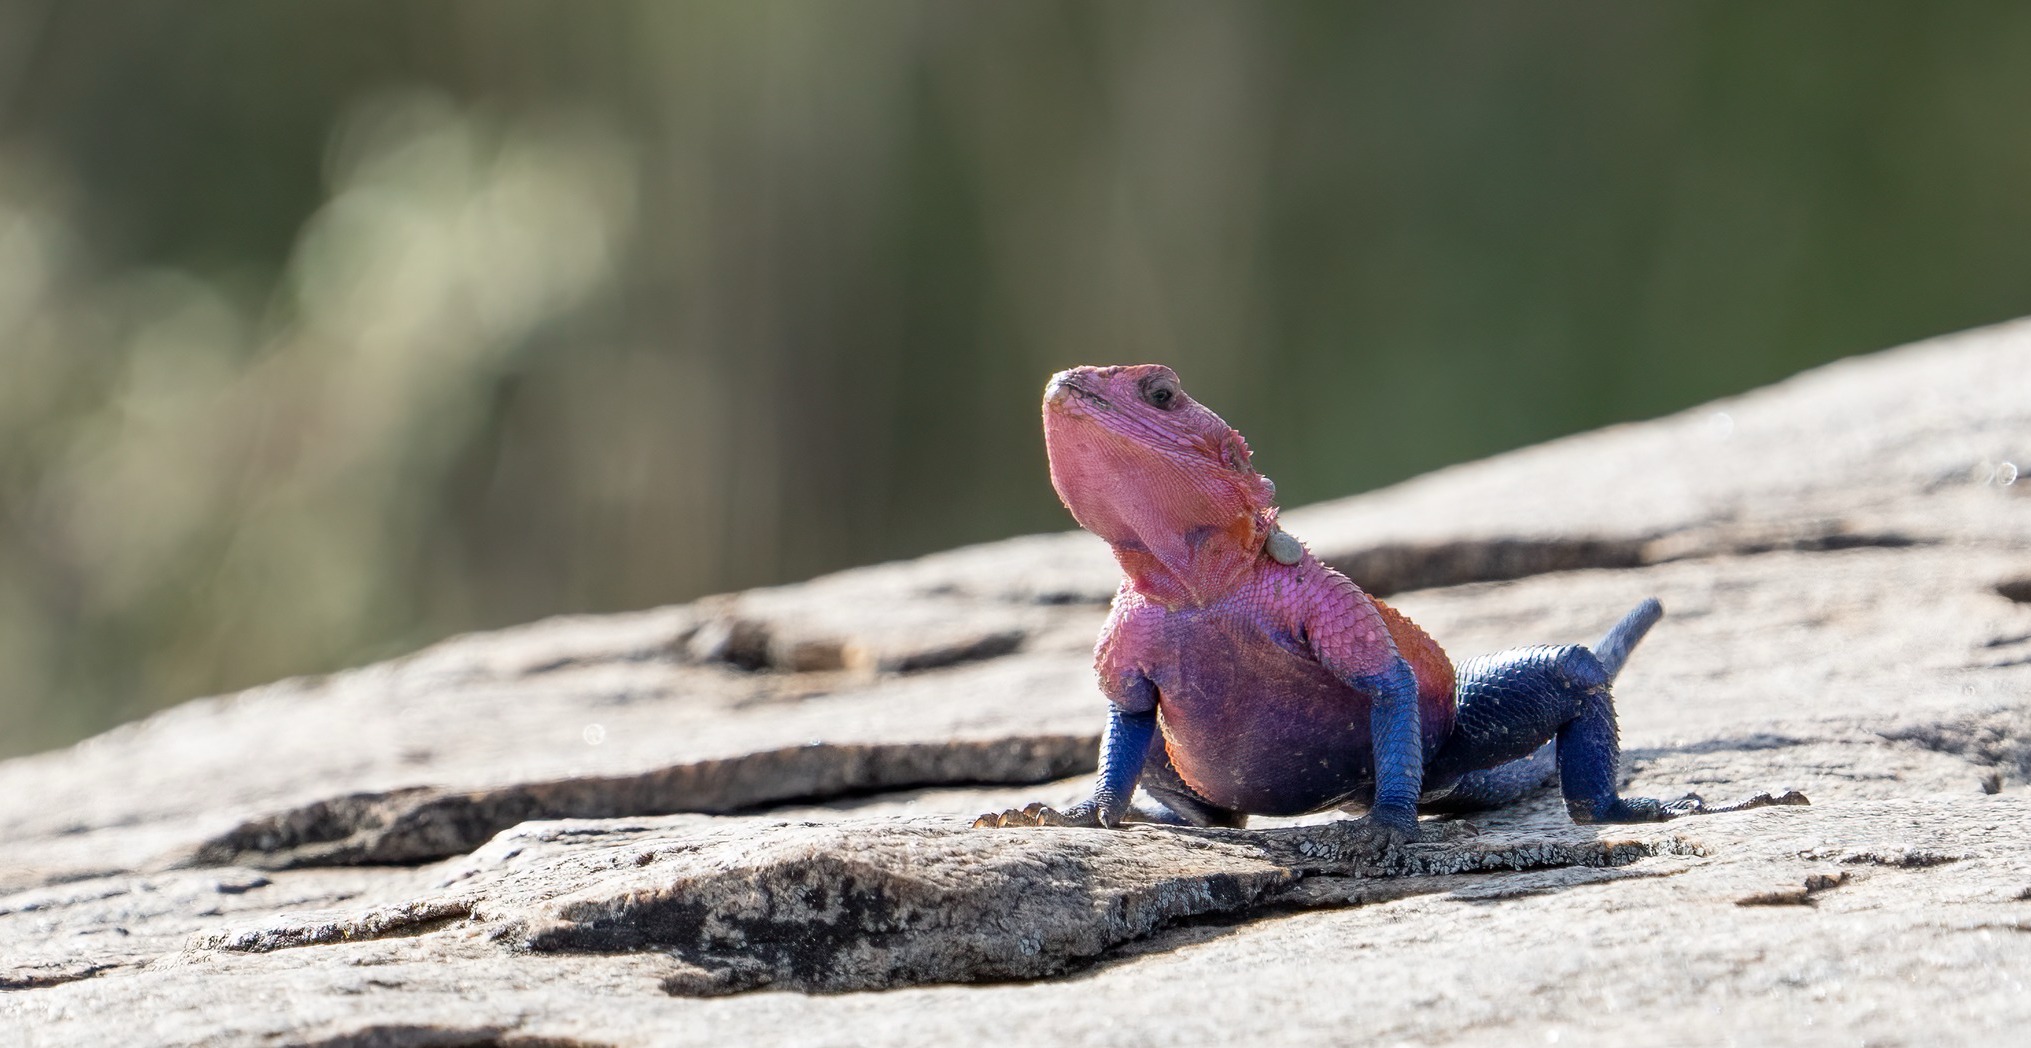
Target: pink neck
1179 572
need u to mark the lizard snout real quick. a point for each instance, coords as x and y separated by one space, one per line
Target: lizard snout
1068 384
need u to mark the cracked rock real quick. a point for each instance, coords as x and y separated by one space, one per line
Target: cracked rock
733 819
873 904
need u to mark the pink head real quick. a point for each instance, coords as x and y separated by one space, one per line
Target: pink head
1158 475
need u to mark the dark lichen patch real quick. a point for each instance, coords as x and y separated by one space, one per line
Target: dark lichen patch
2018 590
1803 893
1906 858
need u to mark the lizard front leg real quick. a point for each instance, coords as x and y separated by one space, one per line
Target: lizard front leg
1349 638
1124 747
1398 742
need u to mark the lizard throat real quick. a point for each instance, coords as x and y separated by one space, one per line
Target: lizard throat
1196 567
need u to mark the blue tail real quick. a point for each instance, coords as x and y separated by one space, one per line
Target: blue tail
1614 646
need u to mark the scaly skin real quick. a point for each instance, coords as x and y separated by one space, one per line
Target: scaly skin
1247 677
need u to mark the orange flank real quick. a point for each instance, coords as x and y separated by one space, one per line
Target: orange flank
1428 661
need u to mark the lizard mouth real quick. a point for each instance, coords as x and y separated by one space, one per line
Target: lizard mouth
1063 386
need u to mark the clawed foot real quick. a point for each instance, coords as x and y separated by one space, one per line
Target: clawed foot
1036 814
1362 838
1645 809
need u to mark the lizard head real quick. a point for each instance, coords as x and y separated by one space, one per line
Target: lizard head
1157 474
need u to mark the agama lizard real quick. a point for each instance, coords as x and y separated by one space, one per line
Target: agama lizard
1245 677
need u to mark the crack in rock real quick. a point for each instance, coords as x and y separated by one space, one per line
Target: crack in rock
1802 893
857 622
1397 567
404 1035
977 649
41 977
423 823
418 917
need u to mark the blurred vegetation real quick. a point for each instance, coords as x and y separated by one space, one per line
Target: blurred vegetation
328 328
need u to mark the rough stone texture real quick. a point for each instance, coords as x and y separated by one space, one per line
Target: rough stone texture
729 820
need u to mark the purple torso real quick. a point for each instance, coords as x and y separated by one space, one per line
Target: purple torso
1250 722
1263 694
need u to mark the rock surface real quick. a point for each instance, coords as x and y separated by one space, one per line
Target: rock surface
735 818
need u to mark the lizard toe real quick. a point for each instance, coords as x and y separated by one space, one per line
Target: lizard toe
1364 838
1035 813
1690 804
1788 798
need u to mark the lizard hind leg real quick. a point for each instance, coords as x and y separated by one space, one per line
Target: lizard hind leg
1499 787
1512 703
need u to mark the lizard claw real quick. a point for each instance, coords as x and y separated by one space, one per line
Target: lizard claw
1365 837
1038 814
1788 798
1006 817
1690 804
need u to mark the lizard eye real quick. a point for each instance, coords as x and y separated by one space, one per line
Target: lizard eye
1160 393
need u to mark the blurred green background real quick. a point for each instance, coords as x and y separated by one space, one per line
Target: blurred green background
331 328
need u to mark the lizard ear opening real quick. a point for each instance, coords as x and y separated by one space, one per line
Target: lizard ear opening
1234 451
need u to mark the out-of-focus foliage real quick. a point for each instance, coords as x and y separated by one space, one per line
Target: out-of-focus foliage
331 327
